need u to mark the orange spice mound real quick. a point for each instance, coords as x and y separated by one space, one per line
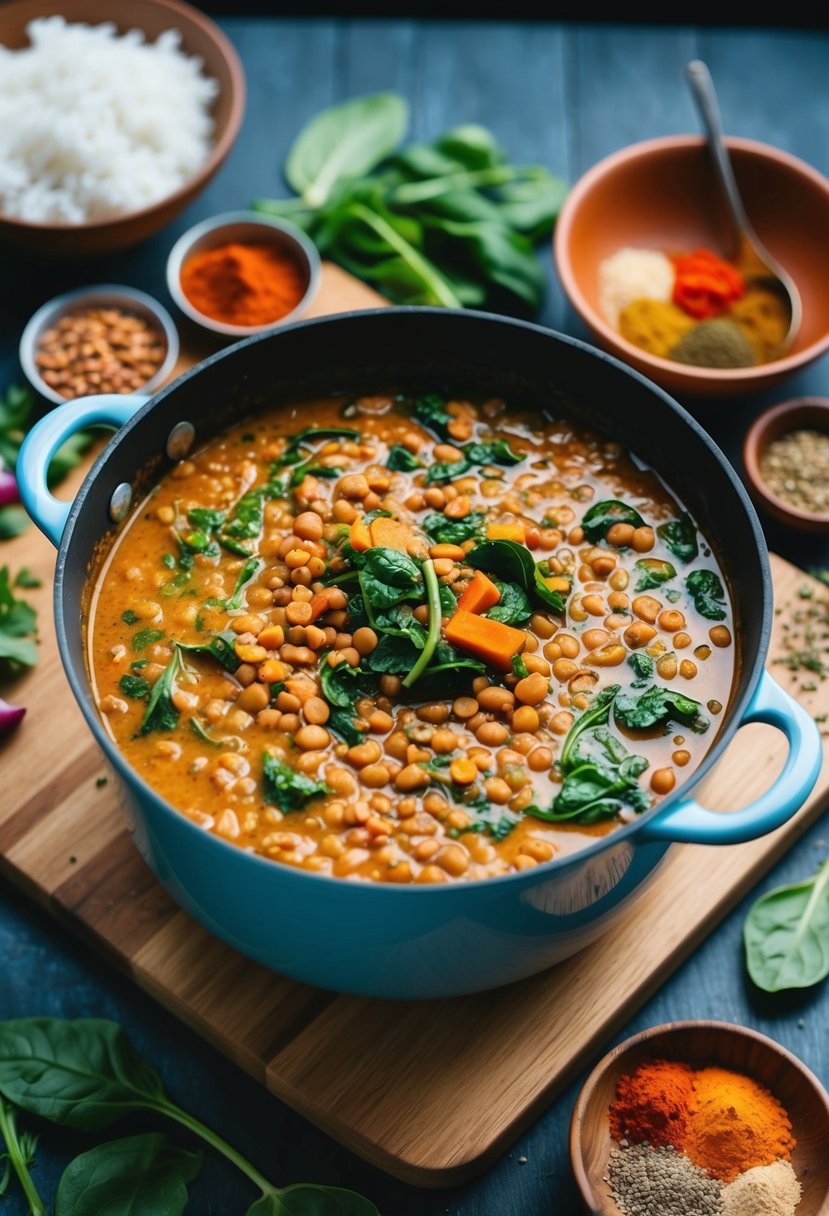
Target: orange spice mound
243 284
654 1104
736 1125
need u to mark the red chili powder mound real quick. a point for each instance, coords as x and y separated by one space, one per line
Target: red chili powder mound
654 1104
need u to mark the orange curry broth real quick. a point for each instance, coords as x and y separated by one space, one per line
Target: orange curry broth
398 807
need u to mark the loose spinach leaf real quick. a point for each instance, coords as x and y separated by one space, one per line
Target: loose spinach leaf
142 1175
287 787
161 713
786 935
219 647
602 515
345 141
444 531
147 637
644 667
401 460
707 592
13 522
653 573
657 705
308 1199
514 606
680 536
135 687
18 627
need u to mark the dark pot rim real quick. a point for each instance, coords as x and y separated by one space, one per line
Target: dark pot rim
623 834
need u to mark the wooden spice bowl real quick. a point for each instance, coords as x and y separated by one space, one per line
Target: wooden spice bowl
798 413
701 1043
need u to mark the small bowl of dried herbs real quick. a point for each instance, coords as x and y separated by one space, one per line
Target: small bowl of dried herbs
786 457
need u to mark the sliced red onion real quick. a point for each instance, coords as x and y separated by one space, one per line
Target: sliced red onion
8 488
10 716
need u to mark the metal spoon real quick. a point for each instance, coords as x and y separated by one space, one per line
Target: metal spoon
750 254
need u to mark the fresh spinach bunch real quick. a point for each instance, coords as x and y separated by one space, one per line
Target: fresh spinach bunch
449 223
86 1075
786 934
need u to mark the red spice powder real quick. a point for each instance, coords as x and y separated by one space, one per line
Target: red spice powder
654 1104
241 284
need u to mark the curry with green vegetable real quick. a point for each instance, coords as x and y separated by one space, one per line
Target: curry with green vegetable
421 640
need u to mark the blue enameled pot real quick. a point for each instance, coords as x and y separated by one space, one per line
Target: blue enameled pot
382 939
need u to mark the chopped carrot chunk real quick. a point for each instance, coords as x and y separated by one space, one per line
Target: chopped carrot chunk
319 603
359 536
506 532
390 534
492 641
480 594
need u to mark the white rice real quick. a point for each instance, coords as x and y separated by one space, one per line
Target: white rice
633 274
94 124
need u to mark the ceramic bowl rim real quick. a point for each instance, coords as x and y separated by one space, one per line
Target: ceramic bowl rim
218 152
642 1037
659 147
304 246
754 443
119 294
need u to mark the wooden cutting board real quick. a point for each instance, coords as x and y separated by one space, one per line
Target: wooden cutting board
408 1069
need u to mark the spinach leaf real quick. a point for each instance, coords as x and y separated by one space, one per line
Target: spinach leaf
708 595
309 1199
345 141
142 1174
302 439
444 531
388 577
596 714
786 935
341 685
494 821
135 687
644 667
160 712
430 411
514 606
341 722
250 569
680 536
201 733
286 786
401 460
519 667
600 776
219 647
657 705
602 515
497 452
246 521
400 622
395 655
18 627
206 519
514 563
653 573
14 521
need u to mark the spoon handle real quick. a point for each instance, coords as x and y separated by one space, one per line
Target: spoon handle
702 88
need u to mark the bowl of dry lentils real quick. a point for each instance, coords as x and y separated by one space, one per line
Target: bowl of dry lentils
106 339
786 457
701 1119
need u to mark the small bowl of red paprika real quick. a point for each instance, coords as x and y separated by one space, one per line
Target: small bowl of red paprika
241 273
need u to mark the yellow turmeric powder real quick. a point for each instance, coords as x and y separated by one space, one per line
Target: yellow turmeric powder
654 325
762 316
735 1125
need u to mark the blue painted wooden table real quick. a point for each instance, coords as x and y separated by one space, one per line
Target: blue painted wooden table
564 94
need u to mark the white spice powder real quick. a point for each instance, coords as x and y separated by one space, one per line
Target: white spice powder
633 274
766 1190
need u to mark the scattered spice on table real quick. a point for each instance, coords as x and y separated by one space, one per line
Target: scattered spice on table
245 285
804 646
685 1136
99 350
694 308
795 467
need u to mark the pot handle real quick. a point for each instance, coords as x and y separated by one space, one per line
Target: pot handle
44 439
690 822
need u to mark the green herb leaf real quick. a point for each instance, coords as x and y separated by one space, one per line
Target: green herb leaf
401 460
656 706
644 667
219 647
249 571
653 572
786 935
147 637
444 531
143 1175
287 787
206 518
430 411
514 563
707 592
134 686
519 667
307 1199
161 713
345 141
18 627
513 608
602 515
13 522
246 521
680 536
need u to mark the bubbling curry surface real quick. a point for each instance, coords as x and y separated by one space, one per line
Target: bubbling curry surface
421 639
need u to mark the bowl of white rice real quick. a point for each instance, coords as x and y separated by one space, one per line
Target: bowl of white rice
113 118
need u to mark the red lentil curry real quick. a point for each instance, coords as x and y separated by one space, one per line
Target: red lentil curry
422 640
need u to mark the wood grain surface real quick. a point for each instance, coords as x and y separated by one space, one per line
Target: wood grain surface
403 1069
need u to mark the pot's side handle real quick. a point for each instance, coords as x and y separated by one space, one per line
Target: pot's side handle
44 439
688 821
